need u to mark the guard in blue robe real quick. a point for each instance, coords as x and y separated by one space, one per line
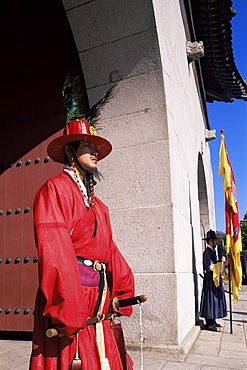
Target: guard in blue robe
213 301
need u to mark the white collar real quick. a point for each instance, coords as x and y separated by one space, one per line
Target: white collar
209 246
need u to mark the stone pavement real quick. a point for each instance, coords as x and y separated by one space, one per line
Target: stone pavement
209 351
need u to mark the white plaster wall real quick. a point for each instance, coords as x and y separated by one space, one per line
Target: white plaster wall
210 184
186 130
156 127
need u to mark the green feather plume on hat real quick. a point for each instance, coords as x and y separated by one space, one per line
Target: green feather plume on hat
76 101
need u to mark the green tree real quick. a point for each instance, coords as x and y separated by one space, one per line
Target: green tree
221 237
243 225
221 244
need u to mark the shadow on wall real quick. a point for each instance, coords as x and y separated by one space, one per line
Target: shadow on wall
194 268
202 194
39 53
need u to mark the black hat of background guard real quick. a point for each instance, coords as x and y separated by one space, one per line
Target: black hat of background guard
210 235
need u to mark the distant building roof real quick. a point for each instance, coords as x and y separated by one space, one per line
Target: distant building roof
212 25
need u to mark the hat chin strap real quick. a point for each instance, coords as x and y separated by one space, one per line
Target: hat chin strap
77 162
88 180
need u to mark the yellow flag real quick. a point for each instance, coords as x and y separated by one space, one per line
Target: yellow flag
216 274
233 231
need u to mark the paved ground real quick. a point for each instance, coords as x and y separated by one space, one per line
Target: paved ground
209 351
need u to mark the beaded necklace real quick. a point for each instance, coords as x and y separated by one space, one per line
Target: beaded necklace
90 201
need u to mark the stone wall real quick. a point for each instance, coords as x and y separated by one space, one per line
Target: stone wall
156 126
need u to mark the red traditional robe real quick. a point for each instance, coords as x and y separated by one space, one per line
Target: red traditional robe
65 228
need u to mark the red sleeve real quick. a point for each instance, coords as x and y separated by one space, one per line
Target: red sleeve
58 271
121 279
119 275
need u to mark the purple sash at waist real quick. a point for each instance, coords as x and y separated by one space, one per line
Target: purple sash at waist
88 276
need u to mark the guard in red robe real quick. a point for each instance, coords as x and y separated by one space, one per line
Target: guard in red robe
81 269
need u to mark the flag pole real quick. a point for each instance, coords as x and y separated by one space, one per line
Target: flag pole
233 229
230 295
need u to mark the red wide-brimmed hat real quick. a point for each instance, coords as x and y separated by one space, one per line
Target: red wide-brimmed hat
78 130
80 120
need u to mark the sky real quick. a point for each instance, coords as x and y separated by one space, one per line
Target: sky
232 118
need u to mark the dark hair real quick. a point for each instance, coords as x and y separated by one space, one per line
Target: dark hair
74 145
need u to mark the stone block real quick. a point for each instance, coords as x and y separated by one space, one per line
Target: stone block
100 22
210 362
186 303
231 354
132 95
160 308
136 177
183 241
134 55
136 128
145 237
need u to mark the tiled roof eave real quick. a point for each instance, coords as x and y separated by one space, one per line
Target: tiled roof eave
212 23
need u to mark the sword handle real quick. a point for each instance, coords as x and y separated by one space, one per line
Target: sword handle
50 333
117 303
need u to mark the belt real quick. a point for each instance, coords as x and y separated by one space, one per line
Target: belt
100 267
98 318
96 265
50 333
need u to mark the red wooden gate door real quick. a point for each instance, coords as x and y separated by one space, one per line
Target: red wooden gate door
38 53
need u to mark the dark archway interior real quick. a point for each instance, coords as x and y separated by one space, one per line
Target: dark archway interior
38 53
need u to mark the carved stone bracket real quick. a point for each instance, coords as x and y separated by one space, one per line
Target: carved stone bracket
195 50
210 134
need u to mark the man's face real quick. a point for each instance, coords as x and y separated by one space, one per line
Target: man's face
87 155
213 243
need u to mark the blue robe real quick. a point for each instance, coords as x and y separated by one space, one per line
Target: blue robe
213 300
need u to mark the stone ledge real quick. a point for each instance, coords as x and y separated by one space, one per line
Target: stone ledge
182 348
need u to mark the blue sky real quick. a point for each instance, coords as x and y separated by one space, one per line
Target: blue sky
232 118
